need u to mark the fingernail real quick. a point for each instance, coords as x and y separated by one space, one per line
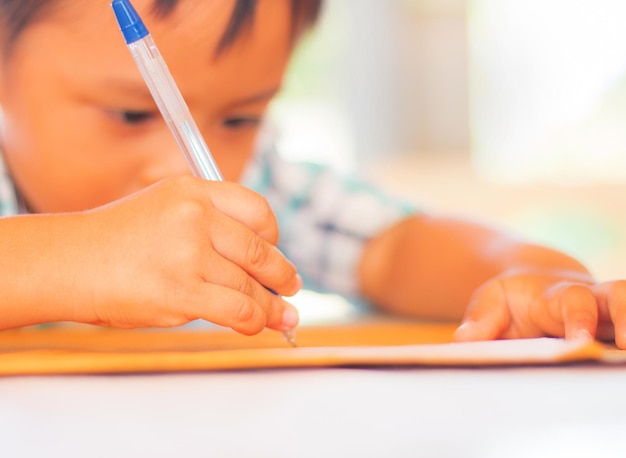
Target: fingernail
465 325
582 334
298 286
463 330
290 318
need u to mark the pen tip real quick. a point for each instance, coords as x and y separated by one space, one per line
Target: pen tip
290 337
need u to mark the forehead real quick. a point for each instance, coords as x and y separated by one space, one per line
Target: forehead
80 41
189 35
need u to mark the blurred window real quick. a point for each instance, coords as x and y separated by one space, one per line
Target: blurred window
548 89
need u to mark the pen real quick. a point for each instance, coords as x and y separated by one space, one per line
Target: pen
169 99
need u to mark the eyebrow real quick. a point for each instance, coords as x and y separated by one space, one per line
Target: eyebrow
258 97
140 90
135 92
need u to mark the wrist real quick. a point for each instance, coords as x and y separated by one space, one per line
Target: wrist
521 257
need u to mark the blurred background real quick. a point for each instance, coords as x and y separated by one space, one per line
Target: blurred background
511 112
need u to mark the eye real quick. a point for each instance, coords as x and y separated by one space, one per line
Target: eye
240 122
134 117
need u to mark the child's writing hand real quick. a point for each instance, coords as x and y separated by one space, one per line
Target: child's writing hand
532 303
180 250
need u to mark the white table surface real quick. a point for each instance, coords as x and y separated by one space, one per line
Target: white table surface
574 411
571 411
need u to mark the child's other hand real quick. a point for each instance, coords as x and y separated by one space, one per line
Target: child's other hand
519 304
181 250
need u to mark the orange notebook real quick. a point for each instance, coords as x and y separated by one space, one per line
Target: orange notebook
91 350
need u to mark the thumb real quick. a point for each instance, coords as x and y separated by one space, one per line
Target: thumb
487 316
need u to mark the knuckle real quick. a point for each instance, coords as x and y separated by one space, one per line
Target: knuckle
617 292
184 181
248 320
246 311
189 190
577 298
244 285
262 207
492 291
190 210
577 293
257 253
266 217
180 185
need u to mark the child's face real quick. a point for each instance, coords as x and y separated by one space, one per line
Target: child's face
80 128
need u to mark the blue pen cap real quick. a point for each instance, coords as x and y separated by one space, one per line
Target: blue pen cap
129 21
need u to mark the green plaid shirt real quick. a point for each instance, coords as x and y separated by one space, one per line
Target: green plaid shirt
324 219
8 196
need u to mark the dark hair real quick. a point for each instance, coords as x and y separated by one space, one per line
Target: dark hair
16 15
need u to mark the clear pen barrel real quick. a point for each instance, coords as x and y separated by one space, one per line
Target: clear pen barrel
174 109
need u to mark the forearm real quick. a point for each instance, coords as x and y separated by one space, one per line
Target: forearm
36 272
429 266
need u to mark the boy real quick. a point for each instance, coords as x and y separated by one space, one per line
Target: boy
118 234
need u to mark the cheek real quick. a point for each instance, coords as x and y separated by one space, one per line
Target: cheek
232 150
57 168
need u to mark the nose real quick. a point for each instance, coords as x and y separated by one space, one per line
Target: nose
166 164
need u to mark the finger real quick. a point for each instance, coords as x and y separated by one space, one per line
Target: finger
611 297
260 259
487 316
245 206
227 307
230 308
605 330
578 308
279 314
